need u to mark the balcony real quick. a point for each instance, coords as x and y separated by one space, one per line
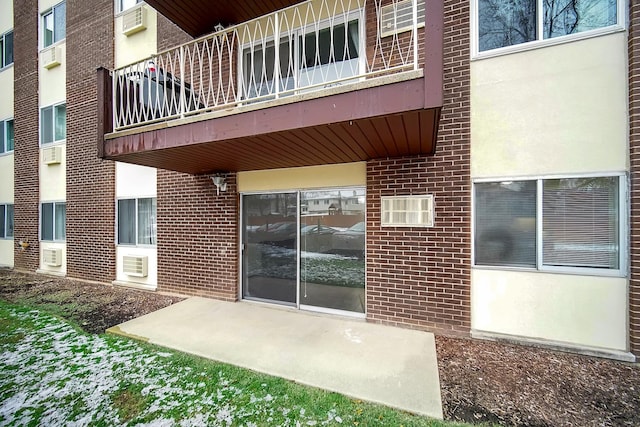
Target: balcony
347 80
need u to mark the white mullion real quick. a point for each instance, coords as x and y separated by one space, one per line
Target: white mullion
539 219
540 20
135 221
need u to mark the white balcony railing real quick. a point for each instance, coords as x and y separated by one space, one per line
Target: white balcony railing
321 43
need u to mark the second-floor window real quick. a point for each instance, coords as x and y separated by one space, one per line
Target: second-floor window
53 218
53 124
54 23
6 49
6 136
122 5
6 221
137 221
503 23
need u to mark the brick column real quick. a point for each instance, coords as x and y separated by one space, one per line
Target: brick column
197 229
90 180
421 277
634 147
26 154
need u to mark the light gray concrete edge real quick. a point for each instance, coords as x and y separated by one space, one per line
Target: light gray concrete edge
392 366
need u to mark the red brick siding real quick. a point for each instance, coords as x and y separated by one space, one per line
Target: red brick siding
197 229
26 154
420 277
90 180
197 236
634 146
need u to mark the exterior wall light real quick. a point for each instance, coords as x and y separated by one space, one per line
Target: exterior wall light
220 183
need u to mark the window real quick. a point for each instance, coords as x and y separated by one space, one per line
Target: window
54 24
137 221
6 221
6 49
577 222
407 211
122 5
504 23
53 221
53 124
324 55
6 136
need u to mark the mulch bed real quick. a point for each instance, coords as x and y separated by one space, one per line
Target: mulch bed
481 381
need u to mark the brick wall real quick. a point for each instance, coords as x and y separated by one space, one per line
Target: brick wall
634 145
26 152
420 277
197 236
197 229
90 180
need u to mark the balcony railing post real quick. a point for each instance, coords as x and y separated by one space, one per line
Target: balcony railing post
182 84
276 65
415 34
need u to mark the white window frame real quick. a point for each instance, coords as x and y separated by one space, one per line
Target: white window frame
53 125
47 12
4 65
117 223
356 14
4 208
55 204
541 42
623 231
4 129
120 6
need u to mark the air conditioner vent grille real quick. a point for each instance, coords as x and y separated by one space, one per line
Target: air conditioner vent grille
51 57
134 21
397 17
52 257
52 155
136 266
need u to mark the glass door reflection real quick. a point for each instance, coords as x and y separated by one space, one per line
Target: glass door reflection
269 257
332 249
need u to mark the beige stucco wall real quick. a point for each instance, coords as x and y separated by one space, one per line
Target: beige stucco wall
6 178
53 184
133 181
559 109
6 101
325 176
555 110
587 311
52 82
6 16
136 46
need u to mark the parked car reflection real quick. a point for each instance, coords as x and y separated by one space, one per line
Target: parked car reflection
350 241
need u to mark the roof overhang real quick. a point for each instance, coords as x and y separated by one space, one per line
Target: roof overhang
199 17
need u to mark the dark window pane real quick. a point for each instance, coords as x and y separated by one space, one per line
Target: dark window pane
505 223
46 226
3 133
562 17
60 25
9 135
60 221
8 49
61 122
147 221
46 125
9 229
47 29
505 23
2 221
127 222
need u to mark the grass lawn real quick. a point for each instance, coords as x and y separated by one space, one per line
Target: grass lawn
54 374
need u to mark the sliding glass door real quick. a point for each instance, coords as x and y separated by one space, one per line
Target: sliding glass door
269 247
305 249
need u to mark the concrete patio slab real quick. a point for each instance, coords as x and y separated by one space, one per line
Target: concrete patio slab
392 366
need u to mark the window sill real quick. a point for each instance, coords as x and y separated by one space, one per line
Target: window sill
6 67
556 270
6 153
58 43
123 12
538 44
127 246
53 144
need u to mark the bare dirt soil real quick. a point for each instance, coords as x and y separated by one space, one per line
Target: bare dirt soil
481 381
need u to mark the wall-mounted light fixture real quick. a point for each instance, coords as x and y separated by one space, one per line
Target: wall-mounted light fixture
23 245
220 183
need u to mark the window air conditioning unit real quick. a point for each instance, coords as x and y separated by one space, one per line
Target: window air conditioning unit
52 257
51 57
52 155
134 21
397 17
136 266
